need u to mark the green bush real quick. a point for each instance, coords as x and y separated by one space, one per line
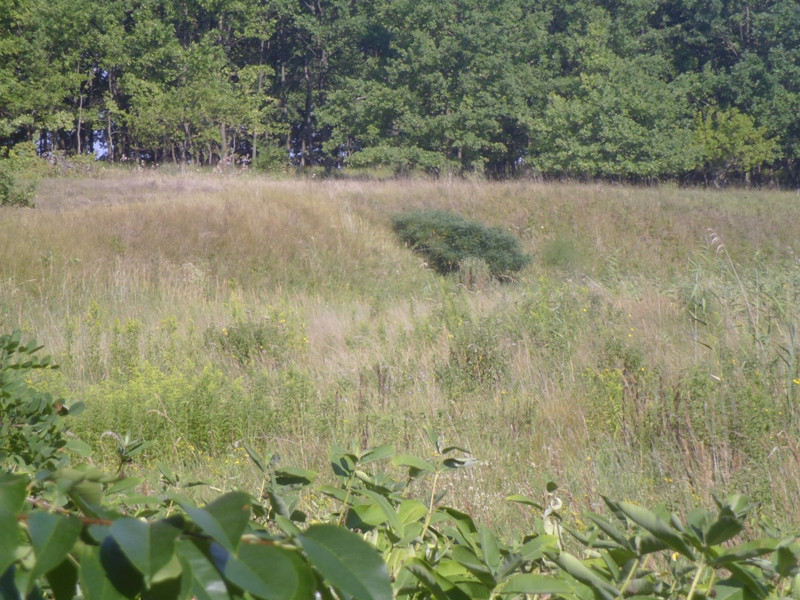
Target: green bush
11 192
447 240
20 169
33 434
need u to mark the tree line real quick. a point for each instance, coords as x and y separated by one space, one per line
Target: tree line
628 90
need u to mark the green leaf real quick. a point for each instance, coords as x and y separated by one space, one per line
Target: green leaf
269 572
756 587
377 453
657 526
388 510
533 583
411 510
10 539
610 530
538 546
123 485
79 447
169 572
439 585
294 476
464 524
466 557
225 519
13 491
460 463
520 499
745 551
204 580
52 537
415 464
347 561
149 546
491 553
433 437
256 458
648 544
287 526
454 448
334 492
278 504
365 517
586 576
167 476
786 560
724 528
729 589
63 579
75 410
94 582
119 569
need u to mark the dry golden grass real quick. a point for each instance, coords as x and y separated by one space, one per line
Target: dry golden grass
147 268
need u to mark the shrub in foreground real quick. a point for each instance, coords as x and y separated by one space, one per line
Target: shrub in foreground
447 240
80 533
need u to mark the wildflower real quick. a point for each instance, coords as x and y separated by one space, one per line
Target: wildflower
796 381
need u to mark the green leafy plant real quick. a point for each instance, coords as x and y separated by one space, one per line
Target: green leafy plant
12 193
270 340
362 535
33 434
447 240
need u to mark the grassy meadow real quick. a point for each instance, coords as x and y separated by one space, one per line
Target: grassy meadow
649 352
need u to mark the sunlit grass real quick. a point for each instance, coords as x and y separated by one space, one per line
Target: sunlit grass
629 358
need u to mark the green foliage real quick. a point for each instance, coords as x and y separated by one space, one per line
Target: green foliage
377 542
270 340
12 192
92 535
446 240
33 434
186 411
402 160
732 143
585 89
271 159
476 358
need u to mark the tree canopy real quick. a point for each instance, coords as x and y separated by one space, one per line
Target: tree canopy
633 90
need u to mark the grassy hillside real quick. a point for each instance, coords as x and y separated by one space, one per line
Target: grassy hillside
649 351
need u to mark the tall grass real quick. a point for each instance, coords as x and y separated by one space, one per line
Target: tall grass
639 355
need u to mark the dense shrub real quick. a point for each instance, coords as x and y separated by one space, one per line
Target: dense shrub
446 240
11 192
33 434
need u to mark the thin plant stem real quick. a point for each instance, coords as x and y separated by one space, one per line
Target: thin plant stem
630 576
695 581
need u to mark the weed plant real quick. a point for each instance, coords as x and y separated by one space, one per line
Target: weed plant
648 359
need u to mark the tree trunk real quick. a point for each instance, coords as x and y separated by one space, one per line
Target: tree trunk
80 121
307 117
223 136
